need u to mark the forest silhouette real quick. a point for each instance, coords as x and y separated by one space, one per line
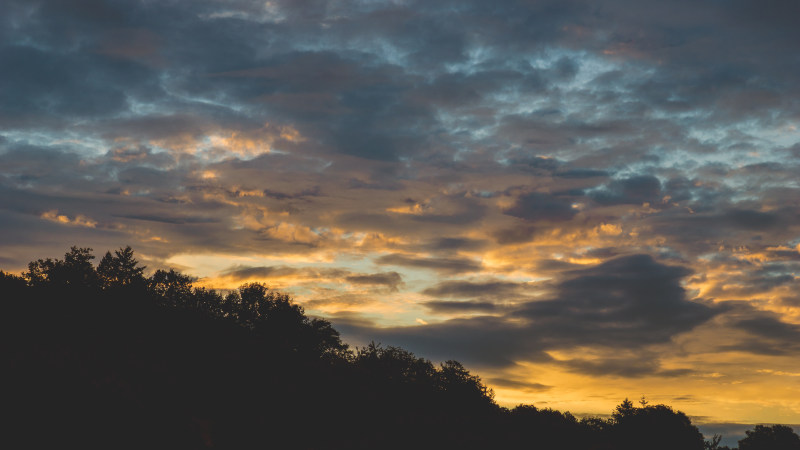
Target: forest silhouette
107 357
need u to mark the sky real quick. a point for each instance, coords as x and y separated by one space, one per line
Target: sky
581 201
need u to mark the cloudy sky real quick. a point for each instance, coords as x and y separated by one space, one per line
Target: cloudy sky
582 201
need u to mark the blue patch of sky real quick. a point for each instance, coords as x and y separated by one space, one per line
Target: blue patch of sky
268 13
66 141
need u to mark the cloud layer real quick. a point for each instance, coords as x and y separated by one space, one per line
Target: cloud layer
564 194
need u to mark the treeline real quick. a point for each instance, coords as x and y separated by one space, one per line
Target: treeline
106 357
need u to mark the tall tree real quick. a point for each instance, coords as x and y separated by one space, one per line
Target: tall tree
120 270
776 437
635 428
75 270
170 287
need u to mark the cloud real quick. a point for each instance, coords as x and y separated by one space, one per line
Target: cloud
392 280
448 244
634 190
416 160
514 235
245 273
311 192
634 367
469 289
542 207
769 335
79 220
443 265
627 303
169 219
450 306
525 386
480 341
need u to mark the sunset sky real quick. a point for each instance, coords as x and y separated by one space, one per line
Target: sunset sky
581 201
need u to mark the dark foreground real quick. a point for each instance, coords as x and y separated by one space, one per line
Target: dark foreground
104 357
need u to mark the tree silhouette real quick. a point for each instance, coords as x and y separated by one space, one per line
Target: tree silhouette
624 411
776 437
714 443
11 282
635 428
109 358
120 270
549 429
170 287
74 271
205 301
456 380
395 365
78 268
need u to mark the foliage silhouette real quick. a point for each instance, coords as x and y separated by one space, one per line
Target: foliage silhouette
776 437
120 270
74 271
171 288
635 426
714 443
107 357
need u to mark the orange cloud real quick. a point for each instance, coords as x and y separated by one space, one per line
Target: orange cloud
79 220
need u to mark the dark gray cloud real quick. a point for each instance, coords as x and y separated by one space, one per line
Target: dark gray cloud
771 327
454 306
468 289
311 192
392 280
627 301
632 367
626 304
538 206
266 272
582 173
739 225
450 244
634 190
769 335
521 385
480 341
750 220
171 219
514 235
444 265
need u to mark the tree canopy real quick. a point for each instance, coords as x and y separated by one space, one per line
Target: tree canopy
776 437
109 357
